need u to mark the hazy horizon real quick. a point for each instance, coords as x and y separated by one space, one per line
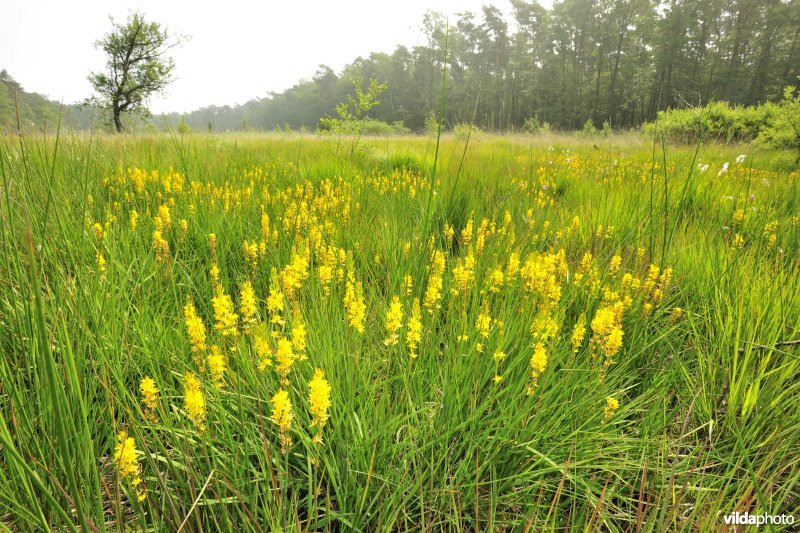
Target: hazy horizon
233 55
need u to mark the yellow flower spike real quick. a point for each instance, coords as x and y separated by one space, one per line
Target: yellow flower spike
394 321
578 334
217 365
161 247
484 322
433 293
284 360
195 329
275 304
299 335
607 333
247 306
354 305
126 457
414 331
101 262
98 231
164 219
149 391
538 364
262 346
226 318
282 416
319 400
612 404
194 401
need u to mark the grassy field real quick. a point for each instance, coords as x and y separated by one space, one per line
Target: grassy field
535 334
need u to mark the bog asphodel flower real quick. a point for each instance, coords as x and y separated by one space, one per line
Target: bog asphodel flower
484 322
538 364
354 305
578 333
101 262
607 333
284 360
319 401
194 401
262 346
223 312
612 404
149 391
126 457
195 329
98 231
433 293
394 321
414 330
161 247
283 416
275 299
247 306
216 365
299 335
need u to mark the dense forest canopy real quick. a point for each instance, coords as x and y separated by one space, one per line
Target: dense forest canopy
615 61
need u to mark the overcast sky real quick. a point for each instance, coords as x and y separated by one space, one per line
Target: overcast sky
237 50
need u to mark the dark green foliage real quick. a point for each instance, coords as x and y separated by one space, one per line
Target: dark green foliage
621 62
783 131
718 121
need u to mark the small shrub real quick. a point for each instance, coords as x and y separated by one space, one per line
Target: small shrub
464 129
532 125
783 131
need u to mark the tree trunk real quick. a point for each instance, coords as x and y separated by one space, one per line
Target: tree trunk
117 119
612 90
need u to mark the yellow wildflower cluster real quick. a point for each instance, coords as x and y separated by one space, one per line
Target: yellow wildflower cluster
607 333
538 364
216 365
284 359
149 392
414 331
354 305
394 321
463 274
194 401
195 329
433 293
275 299
226 318
319 401
126 457
578 333
161 247
247 306
283 415
612 404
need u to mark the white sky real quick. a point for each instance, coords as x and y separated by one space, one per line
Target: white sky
237 50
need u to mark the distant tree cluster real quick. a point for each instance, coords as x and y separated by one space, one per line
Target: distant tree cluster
618 62
34 112
581 65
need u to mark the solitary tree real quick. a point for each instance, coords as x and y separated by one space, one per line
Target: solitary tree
137 65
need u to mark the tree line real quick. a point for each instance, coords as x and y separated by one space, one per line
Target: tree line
615 61
612 62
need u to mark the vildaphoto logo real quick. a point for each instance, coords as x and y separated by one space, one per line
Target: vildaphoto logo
747 519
